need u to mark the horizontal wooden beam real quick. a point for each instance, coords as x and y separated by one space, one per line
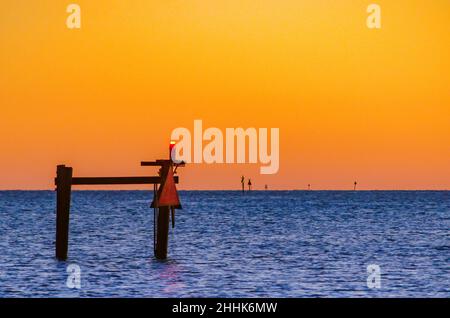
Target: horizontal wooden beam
150 164
160 162
115 180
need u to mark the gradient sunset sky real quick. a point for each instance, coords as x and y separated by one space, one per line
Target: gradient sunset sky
351 103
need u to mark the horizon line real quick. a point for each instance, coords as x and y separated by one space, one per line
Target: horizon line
236 190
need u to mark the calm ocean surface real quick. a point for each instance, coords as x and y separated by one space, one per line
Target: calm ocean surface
225 244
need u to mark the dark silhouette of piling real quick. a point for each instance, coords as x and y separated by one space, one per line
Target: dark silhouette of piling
165 202
162 232
162 226
354 186
63 191
243 184
249 184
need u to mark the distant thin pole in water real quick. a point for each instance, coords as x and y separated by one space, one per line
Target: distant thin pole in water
249 184
243 184
309 186
354 186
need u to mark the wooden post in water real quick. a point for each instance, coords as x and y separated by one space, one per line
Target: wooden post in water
63 190
162 232
162 225
165 200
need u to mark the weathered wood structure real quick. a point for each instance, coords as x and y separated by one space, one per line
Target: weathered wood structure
163 207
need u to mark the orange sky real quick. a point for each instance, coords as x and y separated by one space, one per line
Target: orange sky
351 103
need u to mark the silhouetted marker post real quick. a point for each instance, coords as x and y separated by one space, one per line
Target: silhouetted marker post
63 191
162 233
165 202
354 185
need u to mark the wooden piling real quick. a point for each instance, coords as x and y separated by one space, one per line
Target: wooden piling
162 223
63 191
162 232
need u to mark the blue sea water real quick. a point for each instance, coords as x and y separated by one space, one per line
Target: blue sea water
225 244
